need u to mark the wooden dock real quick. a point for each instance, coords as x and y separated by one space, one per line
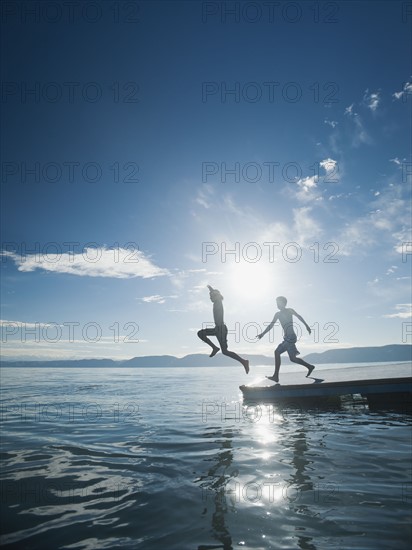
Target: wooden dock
388 384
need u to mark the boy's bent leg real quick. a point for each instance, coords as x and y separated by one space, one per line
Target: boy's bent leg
203 336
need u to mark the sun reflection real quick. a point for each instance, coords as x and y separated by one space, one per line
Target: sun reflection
265 434
265 419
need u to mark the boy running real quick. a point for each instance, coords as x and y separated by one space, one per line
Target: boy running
285 316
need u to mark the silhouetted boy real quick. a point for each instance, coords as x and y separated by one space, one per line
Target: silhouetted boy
285 316
219 330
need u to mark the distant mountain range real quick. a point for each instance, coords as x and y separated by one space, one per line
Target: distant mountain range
394 352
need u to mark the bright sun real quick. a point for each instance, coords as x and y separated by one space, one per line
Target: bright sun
254 281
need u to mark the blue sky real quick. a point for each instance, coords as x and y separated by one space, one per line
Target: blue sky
140 148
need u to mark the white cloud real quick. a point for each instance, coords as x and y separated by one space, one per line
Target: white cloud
330 166
308 187
372 100
156 298
401 164
404 311
340 196
308 183
407 89
404 242
349 110
117 263
332 123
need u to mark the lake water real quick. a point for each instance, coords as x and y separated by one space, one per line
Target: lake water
171 459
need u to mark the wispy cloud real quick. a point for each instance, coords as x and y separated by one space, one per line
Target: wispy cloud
332 123
403 165
157 299
388 220
407 89
403 311
303 229
360 136
204 196
356 236
403 237
340 196
305 226
119 263
306 188
349 110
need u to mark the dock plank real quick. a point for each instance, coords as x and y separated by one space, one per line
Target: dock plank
368 379
366 372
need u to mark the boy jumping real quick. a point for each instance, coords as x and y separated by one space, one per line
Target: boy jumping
220 330
285 315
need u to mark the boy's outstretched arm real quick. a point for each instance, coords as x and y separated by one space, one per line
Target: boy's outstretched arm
302 320
269 327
